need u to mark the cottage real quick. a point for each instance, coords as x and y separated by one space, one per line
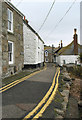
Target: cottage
11 39
70 53
33 47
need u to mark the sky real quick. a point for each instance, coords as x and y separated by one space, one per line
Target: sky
36 11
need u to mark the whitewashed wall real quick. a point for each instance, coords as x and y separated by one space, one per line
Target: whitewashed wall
33 47
68 59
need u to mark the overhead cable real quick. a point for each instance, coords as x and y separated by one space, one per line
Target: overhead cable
47 16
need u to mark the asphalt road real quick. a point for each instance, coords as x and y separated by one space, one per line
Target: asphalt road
22 98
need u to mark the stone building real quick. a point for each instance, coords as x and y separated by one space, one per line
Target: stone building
49 53
33 47
11 39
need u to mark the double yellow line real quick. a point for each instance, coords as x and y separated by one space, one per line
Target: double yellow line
18 81
51 91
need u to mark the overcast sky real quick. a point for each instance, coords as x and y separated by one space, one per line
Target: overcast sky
36 11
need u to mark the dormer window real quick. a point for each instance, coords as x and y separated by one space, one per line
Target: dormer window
10 20
46 53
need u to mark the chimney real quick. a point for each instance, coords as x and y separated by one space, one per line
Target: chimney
27 21
24 18
75 42
61 44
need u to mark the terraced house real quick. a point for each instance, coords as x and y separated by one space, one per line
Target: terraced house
33 47
11 39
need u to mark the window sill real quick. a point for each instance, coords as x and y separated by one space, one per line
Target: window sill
11 65
10 32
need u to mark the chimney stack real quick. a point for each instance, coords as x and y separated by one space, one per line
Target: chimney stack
61 44
24 18
75 42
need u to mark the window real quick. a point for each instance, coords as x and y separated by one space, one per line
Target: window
46 53
64 62
10 20
10 52
46 59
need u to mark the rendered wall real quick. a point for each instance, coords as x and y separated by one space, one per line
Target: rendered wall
33 47
68 59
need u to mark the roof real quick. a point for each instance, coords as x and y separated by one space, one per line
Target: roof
13 7
32 30
49 48
69 49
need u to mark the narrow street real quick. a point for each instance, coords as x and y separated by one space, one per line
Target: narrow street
22 98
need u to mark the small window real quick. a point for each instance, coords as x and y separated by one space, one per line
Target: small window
46 53
46 59
10 20
64 62
10 52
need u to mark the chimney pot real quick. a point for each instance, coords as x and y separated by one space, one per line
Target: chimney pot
24 17
61 44
75 30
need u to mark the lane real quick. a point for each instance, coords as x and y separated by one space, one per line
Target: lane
22 98
12 84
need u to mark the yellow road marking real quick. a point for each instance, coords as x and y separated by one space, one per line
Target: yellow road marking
43 100
18 81
49 100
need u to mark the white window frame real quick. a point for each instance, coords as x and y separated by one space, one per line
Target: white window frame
11 62
11 21
46 59
46 53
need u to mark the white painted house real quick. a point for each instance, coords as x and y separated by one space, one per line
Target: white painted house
70 53
33 47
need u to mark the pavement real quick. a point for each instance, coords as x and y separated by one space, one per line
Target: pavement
22 98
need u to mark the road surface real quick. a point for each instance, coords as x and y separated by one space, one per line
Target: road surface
22 98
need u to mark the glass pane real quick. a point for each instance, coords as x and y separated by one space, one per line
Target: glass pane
10 56
8 14
9 25
10 47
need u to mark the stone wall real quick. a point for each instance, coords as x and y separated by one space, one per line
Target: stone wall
0 39
0 58
29 46
33 47
8 69
49 57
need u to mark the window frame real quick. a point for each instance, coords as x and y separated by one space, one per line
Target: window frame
11 62
46 60
10 21
46 53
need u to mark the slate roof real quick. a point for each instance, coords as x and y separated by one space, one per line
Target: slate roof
69 49
24 21
49 49
13 7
